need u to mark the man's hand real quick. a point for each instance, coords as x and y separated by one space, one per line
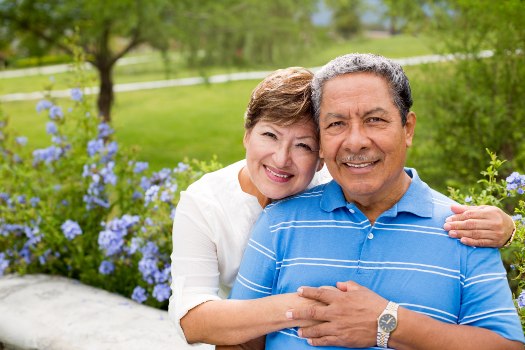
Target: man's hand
349 316
480 226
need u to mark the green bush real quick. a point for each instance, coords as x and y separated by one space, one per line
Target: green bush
508 194
85 209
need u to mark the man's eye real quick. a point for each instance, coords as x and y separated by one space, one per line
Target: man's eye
334 124
374 120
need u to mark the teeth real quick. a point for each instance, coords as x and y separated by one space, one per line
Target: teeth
278 175
363 165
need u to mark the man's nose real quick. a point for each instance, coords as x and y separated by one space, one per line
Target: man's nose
356 138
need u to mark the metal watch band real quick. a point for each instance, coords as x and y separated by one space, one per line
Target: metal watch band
382 336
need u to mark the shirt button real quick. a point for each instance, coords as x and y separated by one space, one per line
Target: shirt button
351 210
370 235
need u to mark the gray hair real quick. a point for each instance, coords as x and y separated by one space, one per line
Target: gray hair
354 63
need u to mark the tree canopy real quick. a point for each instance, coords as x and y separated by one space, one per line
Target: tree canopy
206 32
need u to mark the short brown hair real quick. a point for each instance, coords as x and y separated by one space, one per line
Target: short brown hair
282 98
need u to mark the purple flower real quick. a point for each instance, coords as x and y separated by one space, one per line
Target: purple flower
34 201
151 194
139 294
43 105
21 199
515 181
51 128
140 167
521 299
42 259
108 175
111 241
21 140
181 167
166 196
76 94
95 146
150 249
162 276
106 267
4 264
55 112
47 155
104 130
468 199
161 292
71 229
134 245
148 267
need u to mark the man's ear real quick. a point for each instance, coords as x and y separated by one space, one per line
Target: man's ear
321 164
410 128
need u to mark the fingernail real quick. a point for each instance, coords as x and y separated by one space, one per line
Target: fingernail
289 314
448 219
453 234
300 290
447 226
300 333
309 341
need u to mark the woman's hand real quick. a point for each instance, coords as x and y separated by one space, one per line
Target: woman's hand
480 226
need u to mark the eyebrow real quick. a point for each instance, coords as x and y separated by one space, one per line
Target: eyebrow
367 113
298 138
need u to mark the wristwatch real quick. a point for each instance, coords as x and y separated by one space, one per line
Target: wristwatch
386 324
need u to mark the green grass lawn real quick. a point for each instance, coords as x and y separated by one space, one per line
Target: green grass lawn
168 125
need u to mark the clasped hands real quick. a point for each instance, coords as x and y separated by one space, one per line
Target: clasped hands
346 316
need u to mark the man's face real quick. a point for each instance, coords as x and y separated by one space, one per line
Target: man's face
363 141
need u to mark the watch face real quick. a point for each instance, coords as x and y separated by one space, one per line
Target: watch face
388 323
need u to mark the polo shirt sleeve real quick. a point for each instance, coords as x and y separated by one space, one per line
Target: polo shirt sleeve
486 299
258 266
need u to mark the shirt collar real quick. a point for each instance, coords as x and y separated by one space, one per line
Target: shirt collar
416 200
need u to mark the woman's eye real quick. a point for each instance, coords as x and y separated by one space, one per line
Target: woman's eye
305 146
270 135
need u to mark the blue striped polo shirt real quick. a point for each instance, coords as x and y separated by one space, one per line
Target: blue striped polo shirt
317 238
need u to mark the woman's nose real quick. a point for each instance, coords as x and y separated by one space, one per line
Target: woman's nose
282 156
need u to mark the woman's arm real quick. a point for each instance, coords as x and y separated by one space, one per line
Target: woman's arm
480 226
229 322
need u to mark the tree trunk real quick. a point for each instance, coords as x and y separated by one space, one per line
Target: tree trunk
105 96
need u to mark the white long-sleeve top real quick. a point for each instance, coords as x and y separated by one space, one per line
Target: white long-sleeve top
212 225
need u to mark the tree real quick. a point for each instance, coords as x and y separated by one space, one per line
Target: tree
237 32
108 30
346 17
476 102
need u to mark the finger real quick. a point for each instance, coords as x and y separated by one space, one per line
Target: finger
478 242
318 331
330 340
328 287
347 286
312 312
458 208
320 294
464 212
473 234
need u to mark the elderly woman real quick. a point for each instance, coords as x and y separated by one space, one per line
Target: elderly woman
215 215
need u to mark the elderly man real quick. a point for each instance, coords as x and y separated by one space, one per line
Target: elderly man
379 227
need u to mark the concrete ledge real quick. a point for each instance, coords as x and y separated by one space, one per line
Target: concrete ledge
56 313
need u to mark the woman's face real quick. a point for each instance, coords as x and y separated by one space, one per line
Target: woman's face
281 161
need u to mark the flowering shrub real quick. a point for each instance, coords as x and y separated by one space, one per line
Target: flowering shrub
507 194
84 208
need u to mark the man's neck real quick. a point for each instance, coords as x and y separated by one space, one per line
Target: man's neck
374 206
